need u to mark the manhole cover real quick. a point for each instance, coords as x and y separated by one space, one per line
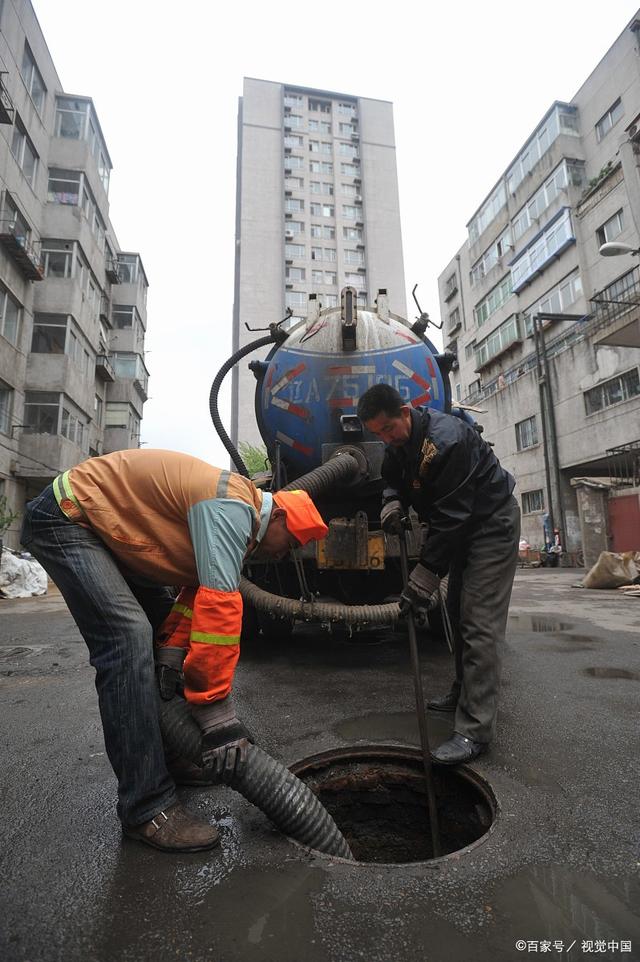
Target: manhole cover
377 797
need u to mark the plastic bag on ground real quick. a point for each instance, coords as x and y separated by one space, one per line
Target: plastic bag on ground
21 577
612 570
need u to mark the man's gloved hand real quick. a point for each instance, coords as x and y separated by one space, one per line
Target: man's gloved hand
391 517
420 595
169 674
224 738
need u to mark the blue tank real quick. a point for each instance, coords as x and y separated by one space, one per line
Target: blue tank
311 380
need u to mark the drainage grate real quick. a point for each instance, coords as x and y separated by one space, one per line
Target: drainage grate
377 797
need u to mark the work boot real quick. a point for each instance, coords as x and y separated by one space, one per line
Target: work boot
457 750
448 702
175 830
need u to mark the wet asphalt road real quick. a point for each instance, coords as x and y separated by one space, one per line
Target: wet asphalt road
561 866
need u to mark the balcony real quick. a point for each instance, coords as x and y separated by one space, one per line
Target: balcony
616 312
16 241
104 370
7 110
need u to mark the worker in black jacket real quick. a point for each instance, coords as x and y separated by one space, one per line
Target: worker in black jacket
440 465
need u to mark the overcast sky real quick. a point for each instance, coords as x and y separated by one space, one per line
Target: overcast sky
468 81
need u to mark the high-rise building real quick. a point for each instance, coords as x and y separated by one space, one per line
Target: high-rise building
73 379
317 210
533 250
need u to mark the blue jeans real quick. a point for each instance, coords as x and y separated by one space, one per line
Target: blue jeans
117 615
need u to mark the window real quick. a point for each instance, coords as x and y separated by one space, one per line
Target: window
130 366
293 140
355 280
64 186
493 301
345 130
474 388
293 251
324 106
555 301
353 257
41 412
10 316
330 277
320 167
352 233
14 222
73 425
293 100
129 268
294 163
293 120
458 392
317 277
454 321
491 257
451 286
293 204
469 350
295 273
352 212
294 183
349 170
498 341
565 174
612 116
349 190
321 230
321 187
347 110
330 300
487 213
97 410
295 226
32 79
6 407
57 258
621 388
348 150
322 210
24 153
562 120
322 126
71 118
526 433
611 228
546 247
123 316
295 299
49 333
532 501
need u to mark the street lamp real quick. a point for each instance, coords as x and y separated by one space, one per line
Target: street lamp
615 250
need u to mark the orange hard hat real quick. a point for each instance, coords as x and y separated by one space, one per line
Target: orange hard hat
303 518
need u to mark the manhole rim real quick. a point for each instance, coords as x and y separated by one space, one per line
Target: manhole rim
397 753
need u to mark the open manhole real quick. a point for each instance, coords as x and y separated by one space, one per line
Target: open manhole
377 797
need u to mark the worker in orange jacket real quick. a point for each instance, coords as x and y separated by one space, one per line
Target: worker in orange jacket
111 533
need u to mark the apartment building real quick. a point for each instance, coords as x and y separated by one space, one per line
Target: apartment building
317 209
73 379
533 251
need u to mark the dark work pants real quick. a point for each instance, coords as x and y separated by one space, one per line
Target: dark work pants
117 615
480 583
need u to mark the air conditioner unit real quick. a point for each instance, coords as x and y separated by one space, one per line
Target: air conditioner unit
288 234
358 198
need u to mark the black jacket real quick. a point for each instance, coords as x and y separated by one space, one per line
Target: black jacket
450 476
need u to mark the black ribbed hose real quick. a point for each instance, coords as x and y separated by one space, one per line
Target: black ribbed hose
213 398
317 611
340 468
265 782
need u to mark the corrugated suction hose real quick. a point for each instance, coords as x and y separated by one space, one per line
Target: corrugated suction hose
263 781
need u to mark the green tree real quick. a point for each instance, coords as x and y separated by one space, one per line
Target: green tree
254 457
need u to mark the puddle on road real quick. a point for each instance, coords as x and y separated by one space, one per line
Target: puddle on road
537 623
612 673
557 904
401 726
